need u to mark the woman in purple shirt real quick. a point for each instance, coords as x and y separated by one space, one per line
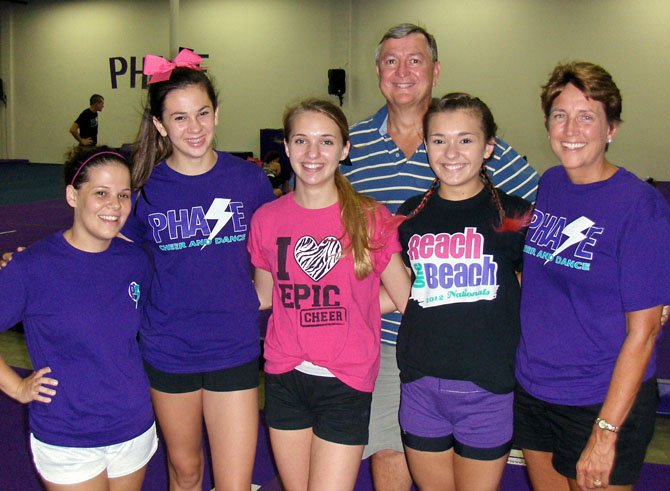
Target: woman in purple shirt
595 279
80 294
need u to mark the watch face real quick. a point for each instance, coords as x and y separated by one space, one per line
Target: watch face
602 424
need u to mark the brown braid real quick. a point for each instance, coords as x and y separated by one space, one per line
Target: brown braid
494 193
398 220
426 196
507 224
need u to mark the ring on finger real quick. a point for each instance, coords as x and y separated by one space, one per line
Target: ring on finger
597 482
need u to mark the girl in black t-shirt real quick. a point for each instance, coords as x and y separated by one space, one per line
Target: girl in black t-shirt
463 240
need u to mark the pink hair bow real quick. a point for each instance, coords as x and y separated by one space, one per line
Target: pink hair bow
160 69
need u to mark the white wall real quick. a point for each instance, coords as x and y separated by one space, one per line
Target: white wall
60 58
504 50
263 55
267 53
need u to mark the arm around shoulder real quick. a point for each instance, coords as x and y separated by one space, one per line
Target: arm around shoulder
7 256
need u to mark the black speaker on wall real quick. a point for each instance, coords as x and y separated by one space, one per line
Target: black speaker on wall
337 84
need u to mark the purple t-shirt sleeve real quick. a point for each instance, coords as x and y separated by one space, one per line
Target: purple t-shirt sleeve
13 294
643 256
133 227
266 194
254 245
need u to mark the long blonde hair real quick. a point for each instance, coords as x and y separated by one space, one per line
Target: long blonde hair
357 211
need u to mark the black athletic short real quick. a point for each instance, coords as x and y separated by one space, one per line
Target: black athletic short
241 377
565 430
336 412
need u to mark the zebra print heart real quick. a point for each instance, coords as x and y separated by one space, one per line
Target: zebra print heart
317 259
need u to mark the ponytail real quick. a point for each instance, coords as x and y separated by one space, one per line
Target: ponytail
357 213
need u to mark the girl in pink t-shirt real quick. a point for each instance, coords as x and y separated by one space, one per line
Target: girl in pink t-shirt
320 253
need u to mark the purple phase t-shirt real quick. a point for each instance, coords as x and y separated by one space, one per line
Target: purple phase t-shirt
593 253
81 313
202 312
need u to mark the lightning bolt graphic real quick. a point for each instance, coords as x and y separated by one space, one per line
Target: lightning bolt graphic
217 211
574 233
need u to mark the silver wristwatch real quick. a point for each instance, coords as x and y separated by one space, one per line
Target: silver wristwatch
604 425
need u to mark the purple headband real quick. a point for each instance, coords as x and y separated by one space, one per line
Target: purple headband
107 152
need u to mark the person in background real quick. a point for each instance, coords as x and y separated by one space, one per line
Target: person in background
321 271
272 169
85 127
80 294
389 163
200 338
595 278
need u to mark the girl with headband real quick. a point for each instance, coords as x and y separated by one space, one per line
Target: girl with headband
80 295
200 337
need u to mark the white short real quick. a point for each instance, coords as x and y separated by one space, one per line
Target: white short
72 465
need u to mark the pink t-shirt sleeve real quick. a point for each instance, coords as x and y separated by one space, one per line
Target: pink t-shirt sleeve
255 242
385 240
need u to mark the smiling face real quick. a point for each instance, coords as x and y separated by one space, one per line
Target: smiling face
101 206
315 148
406 71
189 120
578 134
457 148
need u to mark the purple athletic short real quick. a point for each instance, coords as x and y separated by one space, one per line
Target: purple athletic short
437 413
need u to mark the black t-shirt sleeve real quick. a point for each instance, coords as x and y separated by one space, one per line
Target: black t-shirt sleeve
403 231
81 119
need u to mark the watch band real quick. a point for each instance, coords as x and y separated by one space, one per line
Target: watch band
604 425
